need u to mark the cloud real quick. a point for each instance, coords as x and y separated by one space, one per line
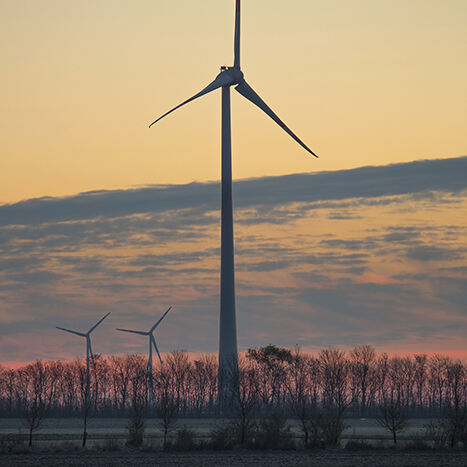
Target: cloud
166 259
432 253
198 199
321 259
37 277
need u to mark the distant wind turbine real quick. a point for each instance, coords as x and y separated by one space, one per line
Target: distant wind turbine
152 343
89 355
231 76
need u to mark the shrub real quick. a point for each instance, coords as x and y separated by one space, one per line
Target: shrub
223 438
11 443
330 428
273 433
358 445
436 432
455 423
185 440
153 447
167 445
110 445
417 445
135 430
203 445
63 446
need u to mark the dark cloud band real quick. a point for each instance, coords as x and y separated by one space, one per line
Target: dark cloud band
446 175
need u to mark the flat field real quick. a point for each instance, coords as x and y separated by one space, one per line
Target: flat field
241 458
115 428
57 444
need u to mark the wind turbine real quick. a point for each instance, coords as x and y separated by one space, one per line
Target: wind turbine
231 76
89 354
152 343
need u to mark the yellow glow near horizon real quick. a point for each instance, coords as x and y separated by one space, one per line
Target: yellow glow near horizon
363 82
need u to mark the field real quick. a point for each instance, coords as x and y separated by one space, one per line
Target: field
58 441
241 458
115 428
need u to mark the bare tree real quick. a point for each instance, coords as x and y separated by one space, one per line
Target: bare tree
420 377
456 411
335 382
362 370
179 366
272 365
438 365
245 402
87 390
69 388
165 400
35 383
335 370
84 393
136 424
299 383
121 374
381 375
204 383
9 380
392 415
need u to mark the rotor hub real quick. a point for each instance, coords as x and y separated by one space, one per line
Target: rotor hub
235 74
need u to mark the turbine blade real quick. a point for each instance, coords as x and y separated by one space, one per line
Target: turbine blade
223 79
237 36
155 347
73 332
163 316
247 91
141 333
99 322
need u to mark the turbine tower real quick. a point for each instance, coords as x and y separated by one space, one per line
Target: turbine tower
231 76
152 343
89 355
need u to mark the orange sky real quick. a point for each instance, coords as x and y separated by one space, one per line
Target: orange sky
389 271
365 82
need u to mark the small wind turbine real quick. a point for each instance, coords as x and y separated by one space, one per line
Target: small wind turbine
89 355
152 343
231 76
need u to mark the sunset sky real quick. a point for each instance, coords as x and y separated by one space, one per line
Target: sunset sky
99 213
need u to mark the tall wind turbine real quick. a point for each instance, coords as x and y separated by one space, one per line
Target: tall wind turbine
231 76
89 355
152 343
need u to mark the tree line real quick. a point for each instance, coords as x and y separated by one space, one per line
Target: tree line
274 378
271 379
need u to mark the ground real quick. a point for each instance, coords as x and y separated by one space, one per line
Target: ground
239 458
70 429
57 444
